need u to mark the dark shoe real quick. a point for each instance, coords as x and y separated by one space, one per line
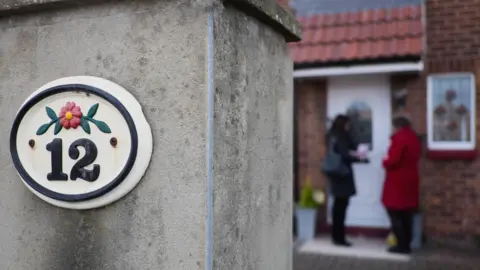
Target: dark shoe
399 250
342 243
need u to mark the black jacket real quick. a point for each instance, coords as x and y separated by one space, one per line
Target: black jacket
343 187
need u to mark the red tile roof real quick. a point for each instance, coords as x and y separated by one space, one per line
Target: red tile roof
356 36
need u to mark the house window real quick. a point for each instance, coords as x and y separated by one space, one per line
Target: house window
451 112
360 115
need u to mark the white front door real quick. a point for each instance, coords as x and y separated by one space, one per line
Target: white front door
366 99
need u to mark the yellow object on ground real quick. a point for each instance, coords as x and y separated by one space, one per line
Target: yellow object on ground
391 240
319 197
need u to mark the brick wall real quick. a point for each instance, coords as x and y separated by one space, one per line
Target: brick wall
311 128
416 99
452 29
451 189
311 112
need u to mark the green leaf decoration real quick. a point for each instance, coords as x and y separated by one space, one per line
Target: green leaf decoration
51 113
92 111
85 125
58 128
43 128
102 126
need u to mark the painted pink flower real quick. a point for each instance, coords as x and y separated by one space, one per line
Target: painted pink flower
70 115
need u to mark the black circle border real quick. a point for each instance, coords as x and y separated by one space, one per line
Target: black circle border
74 88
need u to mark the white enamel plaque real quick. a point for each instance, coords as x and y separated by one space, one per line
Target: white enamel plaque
81 142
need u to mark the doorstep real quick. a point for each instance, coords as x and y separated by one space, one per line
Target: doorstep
367 248
297 243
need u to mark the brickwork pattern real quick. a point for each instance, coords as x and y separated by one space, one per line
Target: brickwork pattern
452 29
311 115
311 98
451 189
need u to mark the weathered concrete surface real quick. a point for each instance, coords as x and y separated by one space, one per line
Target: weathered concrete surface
158 51
17 4
272 14
264 10
253 146
155 51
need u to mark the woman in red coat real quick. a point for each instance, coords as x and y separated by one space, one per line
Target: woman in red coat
401 187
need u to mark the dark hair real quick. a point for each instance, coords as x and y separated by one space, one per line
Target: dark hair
338 125
401 122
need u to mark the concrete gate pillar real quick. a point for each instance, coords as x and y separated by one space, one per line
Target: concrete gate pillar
214 82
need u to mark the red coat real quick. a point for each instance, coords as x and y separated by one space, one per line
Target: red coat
402 184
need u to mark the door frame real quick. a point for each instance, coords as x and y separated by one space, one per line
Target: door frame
384 81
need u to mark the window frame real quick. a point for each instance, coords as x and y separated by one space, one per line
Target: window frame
451 146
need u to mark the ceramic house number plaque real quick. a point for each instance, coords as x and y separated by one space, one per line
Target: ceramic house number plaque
81 142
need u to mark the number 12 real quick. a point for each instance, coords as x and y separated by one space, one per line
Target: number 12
78 170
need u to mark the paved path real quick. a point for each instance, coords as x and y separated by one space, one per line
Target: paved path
429 261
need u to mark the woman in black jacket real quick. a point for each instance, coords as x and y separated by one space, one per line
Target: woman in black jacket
342 187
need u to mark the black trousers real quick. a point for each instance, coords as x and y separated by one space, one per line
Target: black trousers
401 221
338 217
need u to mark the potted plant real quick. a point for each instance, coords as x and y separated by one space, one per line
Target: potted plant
306 211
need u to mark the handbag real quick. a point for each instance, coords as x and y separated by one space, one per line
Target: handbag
333 164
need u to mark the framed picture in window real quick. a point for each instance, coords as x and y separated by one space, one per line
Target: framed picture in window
451 112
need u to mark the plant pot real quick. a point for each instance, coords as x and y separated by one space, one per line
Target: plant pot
417 231
306 218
